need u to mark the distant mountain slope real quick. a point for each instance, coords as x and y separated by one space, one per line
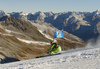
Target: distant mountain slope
3 13
83 25
19 25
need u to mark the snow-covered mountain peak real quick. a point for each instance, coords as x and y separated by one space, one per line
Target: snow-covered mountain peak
31 13
49 13
97 11
23 13
42 14
3 13
36 13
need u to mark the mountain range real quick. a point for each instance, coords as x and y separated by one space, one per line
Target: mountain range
82 24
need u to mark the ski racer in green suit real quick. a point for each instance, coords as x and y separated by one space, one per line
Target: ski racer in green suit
54 48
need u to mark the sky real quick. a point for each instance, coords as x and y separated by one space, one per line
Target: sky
49 5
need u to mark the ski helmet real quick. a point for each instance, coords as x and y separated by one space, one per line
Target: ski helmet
52 42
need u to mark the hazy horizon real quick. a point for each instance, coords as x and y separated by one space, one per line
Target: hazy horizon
49 5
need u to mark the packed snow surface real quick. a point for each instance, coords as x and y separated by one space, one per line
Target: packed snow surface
85 58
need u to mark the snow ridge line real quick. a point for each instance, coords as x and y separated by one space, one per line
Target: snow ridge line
36 42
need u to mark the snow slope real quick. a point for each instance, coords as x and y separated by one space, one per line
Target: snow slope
86 58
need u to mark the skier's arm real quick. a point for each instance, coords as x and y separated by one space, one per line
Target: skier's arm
51 47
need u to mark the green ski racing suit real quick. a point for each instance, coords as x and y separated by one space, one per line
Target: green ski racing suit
54 49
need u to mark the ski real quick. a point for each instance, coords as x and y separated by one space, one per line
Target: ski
48 55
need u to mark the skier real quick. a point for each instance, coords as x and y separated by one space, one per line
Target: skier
54 48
